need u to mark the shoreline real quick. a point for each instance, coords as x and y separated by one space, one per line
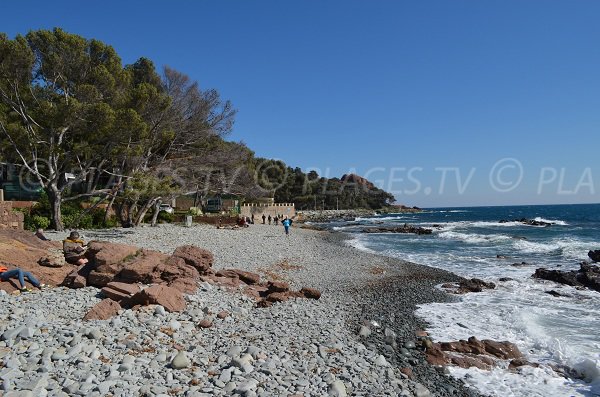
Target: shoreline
357 287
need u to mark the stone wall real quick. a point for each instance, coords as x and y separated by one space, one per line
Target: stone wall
8 218
285 209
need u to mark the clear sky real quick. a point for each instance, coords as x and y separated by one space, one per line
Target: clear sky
444 103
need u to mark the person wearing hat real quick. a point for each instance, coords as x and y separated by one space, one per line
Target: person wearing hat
21 275
74 249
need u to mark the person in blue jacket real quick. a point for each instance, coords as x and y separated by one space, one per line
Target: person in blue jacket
286 225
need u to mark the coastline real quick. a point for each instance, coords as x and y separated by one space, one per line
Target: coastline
358 287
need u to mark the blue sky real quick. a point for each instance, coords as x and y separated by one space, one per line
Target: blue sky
503 94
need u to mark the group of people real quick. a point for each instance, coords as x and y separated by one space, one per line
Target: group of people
275 219
74 250
246 221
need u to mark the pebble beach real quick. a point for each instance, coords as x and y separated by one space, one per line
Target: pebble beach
358 339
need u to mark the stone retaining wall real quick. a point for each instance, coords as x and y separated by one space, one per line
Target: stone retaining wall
285 209
8 218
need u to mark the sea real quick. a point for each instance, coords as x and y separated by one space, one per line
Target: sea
555 332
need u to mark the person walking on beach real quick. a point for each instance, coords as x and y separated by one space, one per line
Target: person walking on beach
269 219
21 275
252 219
264 218
276 219
286 225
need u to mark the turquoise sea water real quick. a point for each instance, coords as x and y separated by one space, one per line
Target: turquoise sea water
471 242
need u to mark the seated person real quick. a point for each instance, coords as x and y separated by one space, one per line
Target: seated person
19 274
74 249
40 234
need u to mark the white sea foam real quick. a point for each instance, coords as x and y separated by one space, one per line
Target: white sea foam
567 247
358 243
556 332
473 238
555 221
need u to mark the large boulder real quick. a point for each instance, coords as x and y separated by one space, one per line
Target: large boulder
472 353
594 255
196 257
558 276
170 298
107 257
107 260
141 269
119 291
103 310
244 276
20 248
587 276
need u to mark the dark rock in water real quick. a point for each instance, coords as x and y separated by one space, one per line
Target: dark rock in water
520 264
401 229
558 276
520 362
594 255
554 293
504 279
466 286
474 285
587 276
530 222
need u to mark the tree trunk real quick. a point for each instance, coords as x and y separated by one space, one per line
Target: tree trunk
142 212
55 198
112 200
156 211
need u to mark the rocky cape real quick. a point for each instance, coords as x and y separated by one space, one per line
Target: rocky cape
409 229
587 276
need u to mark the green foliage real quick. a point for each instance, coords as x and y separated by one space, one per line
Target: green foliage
38 221
194 211
308 190
165 217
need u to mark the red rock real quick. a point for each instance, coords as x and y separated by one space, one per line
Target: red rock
310 293
223 314
196 257
174 268
79 282
54 259
255 291
20 248
277 297
205 323
114 295
278 286
248 277
435 355
228 273
408 372
227 282
170 298
141 268
118 291
520 362
504 350
104 254
98 279
103 310
264 303
185 285
481 362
